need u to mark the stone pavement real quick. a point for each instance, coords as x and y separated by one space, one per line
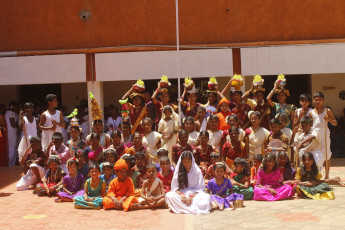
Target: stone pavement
23 210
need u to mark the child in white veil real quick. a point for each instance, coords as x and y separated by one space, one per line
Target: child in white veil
187 193
168 127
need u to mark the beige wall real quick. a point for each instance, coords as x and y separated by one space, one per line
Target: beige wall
72 94
319 81
8 93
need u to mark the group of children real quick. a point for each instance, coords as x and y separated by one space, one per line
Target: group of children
212 156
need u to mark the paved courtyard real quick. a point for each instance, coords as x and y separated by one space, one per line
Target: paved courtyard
23 210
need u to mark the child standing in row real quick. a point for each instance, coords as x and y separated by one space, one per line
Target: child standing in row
321 116
29 124
51 121
168 127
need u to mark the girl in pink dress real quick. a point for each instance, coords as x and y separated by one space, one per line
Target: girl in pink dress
270 184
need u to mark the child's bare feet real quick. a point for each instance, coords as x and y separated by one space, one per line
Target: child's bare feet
338 180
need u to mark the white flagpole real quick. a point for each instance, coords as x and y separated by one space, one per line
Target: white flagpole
178 60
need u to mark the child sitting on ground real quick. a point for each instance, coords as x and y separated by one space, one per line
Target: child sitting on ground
58 148
152 192
94 191
309 183
108 173
72 183
121 190
166 174
82 166
270 185
286 170
240 179
33 162
220 188
52 181
215 157
258 158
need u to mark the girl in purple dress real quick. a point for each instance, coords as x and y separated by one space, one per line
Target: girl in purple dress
270 184
220 189
73 184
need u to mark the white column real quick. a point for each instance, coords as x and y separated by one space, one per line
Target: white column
96 87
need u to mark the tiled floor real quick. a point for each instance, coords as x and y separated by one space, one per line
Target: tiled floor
23 210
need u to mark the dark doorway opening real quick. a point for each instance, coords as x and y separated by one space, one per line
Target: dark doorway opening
296 84
37 93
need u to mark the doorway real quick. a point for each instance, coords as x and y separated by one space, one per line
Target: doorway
37 93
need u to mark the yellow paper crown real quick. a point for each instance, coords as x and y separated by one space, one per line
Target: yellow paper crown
164 78
281 77
257 78
237 77
187 80
213 80
140 83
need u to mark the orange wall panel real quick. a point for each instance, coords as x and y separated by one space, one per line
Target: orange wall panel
46 25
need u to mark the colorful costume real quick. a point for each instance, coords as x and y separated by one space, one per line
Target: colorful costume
92 192
221 195
222 125
231 152
241 110
52 179
63 153
288 173
246 192
286 109
274 181
166 180
118 190
92 154
73 185
318 192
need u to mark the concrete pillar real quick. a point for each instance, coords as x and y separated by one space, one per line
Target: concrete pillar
96 87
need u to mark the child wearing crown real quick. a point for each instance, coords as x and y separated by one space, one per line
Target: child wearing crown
137 111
